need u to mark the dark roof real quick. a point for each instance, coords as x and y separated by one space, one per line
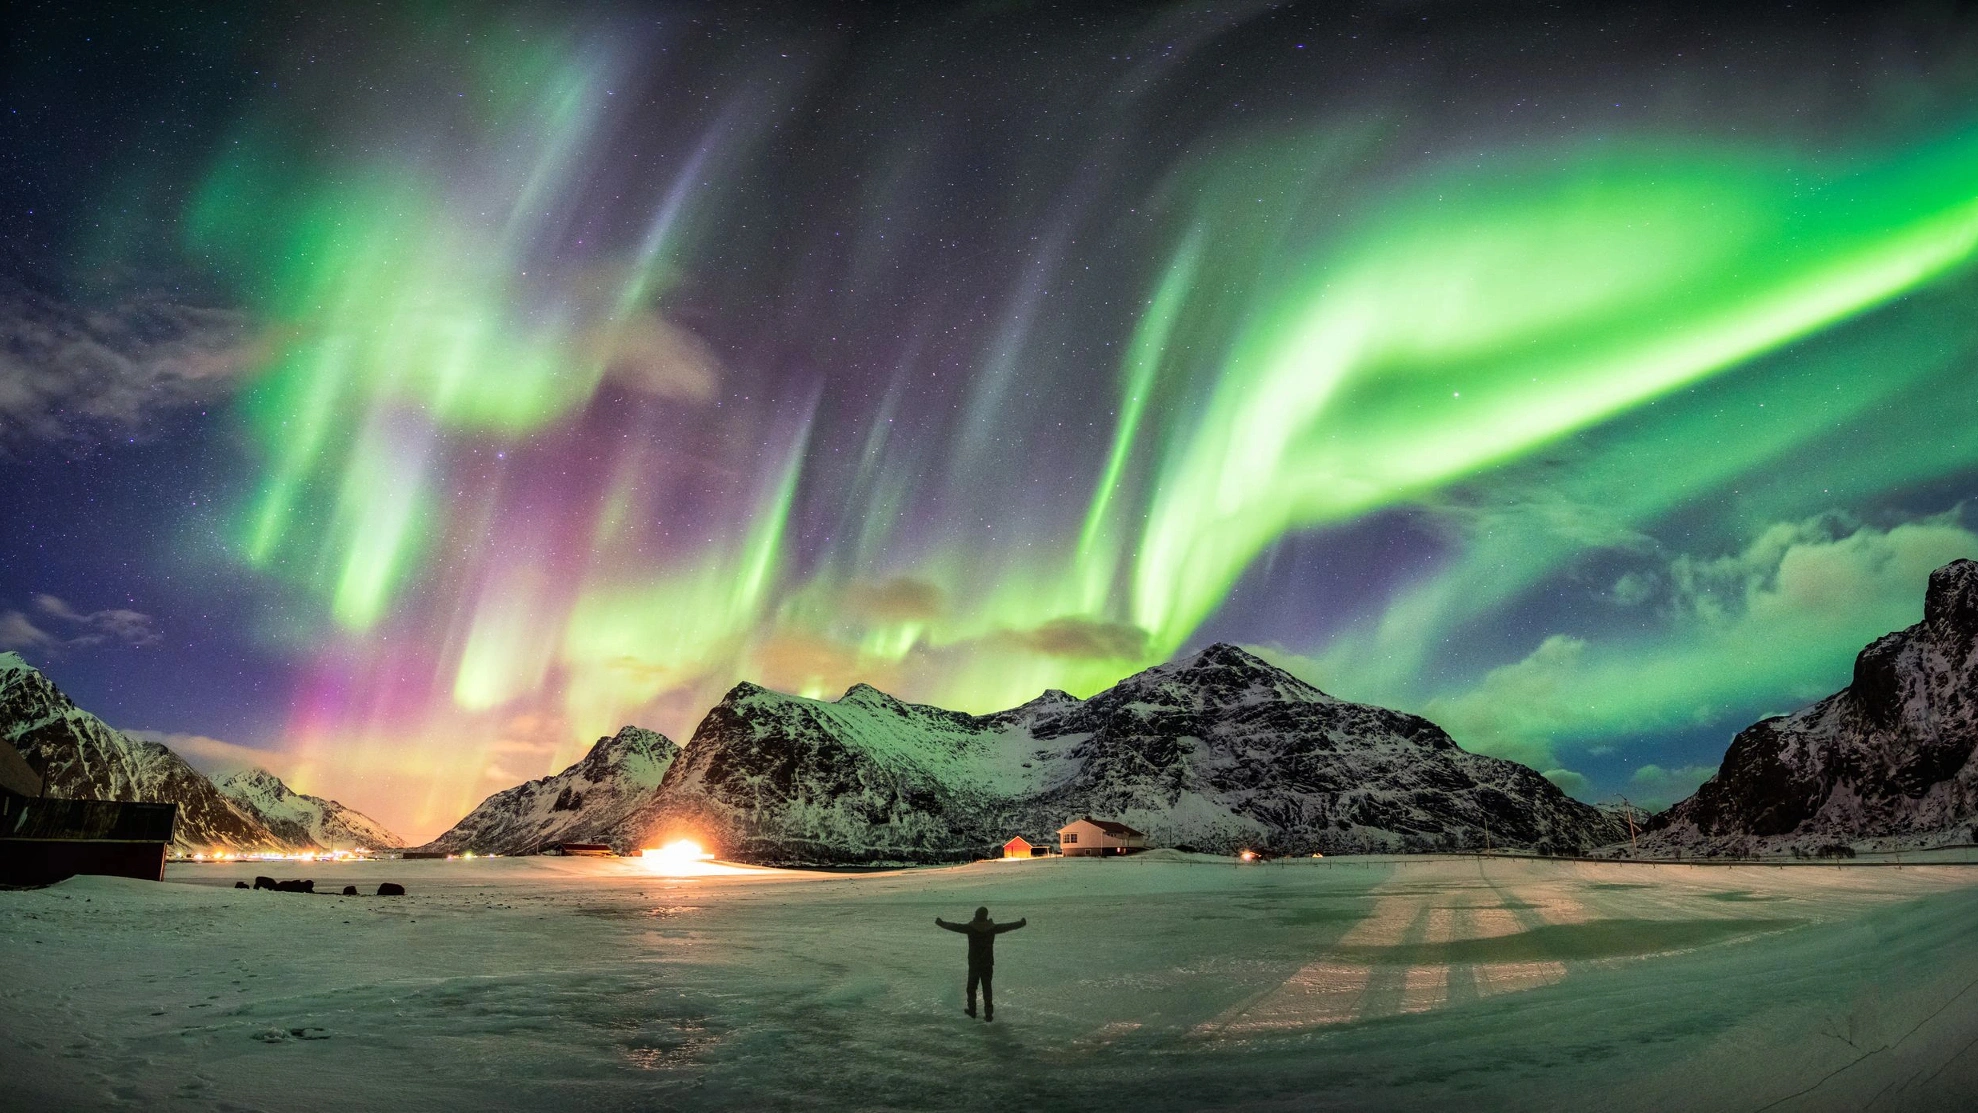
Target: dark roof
87 820
1111 828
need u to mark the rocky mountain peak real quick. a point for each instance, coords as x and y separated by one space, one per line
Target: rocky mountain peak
253 777
79 756
587 802
1889 757
865 695
300 820
1220 675
1951 603
1223 655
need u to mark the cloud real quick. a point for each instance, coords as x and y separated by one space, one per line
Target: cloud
215 757
78 630
1655 788
1084 638
18 631
652 355
1776 623
900 599
114 624
815 666
70 372
1572 784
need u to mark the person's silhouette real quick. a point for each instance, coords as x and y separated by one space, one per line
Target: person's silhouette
982 933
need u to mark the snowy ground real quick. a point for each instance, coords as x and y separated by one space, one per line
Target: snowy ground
1143 984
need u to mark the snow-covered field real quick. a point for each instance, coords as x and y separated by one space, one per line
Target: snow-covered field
1150 983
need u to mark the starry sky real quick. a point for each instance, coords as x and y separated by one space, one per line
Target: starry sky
400 397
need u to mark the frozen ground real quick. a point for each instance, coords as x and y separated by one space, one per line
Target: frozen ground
1142 984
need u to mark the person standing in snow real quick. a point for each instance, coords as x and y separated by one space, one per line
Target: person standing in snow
982 933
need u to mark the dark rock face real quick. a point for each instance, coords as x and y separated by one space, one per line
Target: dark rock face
1220 751
81 757
1888 757
588 802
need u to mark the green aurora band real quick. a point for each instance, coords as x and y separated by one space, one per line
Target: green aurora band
1441 345
1479 319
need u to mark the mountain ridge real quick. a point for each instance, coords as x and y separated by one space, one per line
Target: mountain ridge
79 755
586 802
1892 757
1219 750
300 820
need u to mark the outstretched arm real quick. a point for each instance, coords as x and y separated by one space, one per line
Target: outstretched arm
939 922
1001 928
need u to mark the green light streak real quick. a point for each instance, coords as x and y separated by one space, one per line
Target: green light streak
1456 333
1098 544
629 639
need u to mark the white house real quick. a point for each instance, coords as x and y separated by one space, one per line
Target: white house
1091 837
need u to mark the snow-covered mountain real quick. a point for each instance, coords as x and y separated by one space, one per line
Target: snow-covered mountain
80 756
588 802
1892 757
1218 751
300 820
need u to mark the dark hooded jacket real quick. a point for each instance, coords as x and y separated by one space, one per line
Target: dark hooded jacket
981 938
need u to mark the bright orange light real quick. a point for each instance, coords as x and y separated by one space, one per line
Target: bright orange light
1249 855
678 852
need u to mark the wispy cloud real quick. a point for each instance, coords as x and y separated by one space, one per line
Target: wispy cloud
1775 624
71 372
57 626
1082 638
216 757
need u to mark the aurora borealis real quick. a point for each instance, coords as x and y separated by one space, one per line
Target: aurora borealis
446 388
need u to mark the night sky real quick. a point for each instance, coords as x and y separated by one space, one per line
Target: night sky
401 397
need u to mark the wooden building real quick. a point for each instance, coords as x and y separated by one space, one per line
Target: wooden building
1087 837
45 839
1020 847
